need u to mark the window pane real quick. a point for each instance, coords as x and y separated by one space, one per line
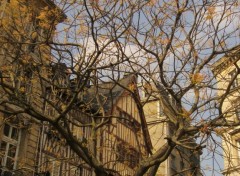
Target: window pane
232 74
3 146
7 173
238 113
238 148
14 133
12 151
56 168
10 163
6 130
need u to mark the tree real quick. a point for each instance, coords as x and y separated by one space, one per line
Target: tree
168 44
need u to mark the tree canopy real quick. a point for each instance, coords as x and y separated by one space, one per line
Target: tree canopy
170 45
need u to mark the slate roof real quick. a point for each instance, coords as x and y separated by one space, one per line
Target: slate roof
108 92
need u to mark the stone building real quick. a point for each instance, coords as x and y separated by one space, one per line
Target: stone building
226 71
19 137
33 147
181 161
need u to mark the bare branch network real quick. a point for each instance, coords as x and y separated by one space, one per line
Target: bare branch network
119 87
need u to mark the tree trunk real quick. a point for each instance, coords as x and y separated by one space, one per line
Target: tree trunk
153 170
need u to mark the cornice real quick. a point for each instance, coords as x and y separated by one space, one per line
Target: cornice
226 61
229 170
51 4
234 131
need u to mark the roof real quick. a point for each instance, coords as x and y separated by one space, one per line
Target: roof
108 92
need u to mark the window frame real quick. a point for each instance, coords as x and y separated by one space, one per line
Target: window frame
9 140
237 111
126 154
238 149
235 82
128 121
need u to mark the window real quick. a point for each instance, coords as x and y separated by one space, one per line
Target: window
2 8
147 90
9 145
232 74
76 171
238 148
54 167
23 83
133 158
160 109
173 161
182 165
51 166
121 151
146 94
129 121
238 113
126 154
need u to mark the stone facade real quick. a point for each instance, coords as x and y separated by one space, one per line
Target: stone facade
228 79
181 161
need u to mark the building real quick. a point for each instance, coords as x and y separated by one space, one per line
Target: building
119 144
227 72
19 136
32 147
181 161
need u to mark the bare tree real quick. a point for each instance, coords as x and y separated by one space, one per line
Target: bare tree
170 45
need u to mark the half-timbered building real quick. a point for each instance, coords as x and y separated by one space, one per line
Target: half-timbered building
110 125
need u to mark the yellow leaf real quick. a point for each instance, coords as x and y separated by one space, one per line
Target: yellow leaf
63 107
132 87
34 35
22 89
210 13
211 10
209 17
150 59
197 78
152 2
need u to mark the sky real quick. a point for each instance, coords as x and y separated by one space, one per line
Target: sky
207 158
